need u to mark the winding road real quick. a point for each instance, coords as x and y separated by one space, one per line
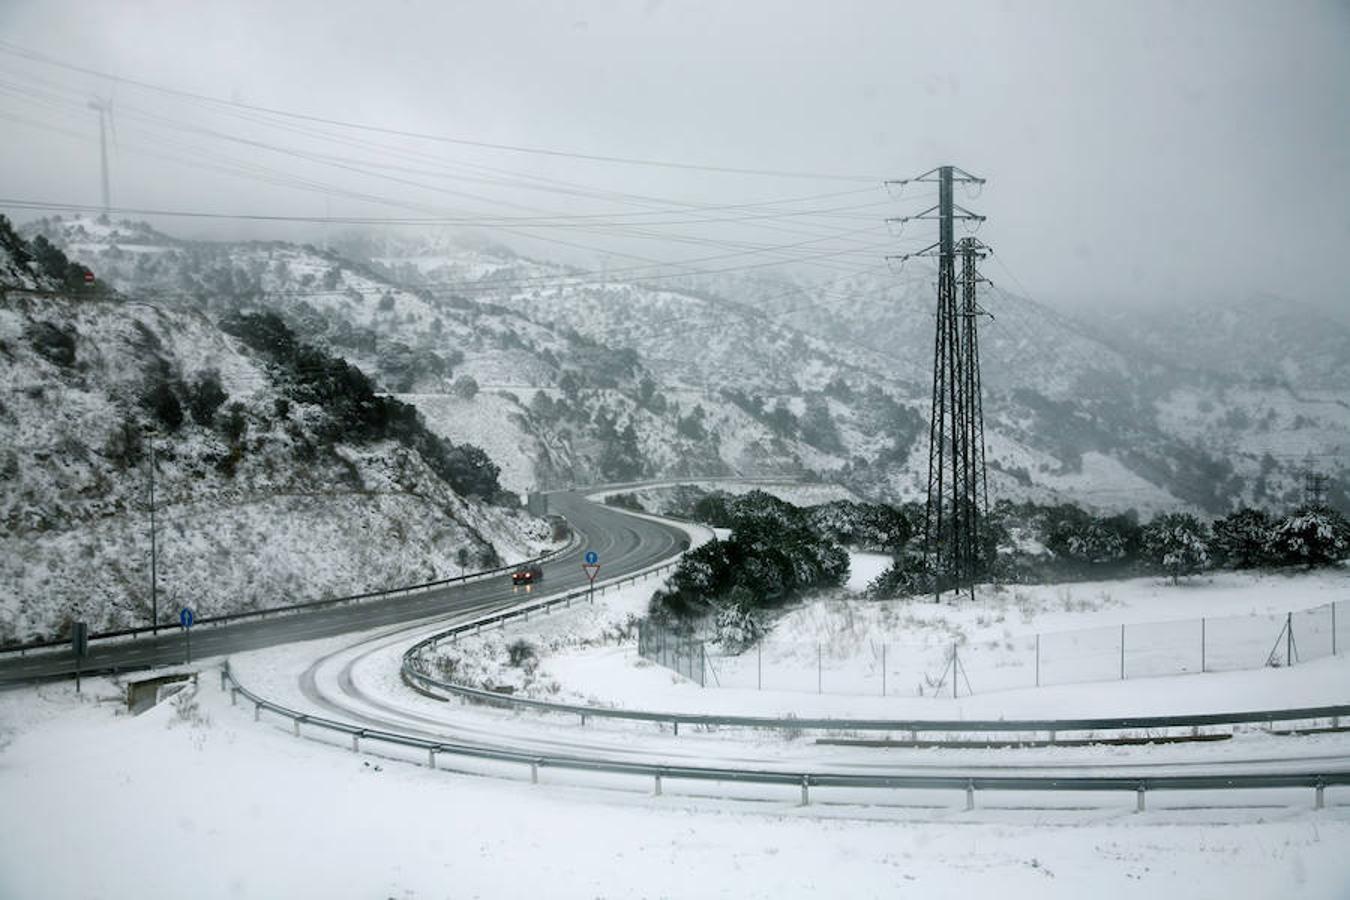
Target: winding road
625 544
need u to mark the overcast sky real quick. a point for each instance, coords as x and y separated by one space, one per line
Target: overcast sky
1135 152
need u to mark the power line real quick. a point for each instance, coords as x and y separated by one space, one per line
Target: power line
15 50
558 220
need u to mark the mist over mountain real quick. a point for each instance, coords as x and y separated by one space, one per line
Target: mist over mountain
566 377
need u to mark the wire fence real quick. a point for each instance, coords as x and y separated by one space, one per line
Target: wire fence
681 653
960 667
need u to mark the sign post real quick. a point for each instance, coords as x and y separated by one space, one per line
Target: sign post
592 568
79 643
185 618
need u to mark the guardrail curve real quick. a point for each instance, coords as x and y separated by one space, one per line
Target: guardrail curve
1318 780
414 676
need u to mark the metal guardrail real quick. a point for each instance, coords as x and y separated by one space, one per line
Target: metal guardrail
1053 727
228 618
1318 780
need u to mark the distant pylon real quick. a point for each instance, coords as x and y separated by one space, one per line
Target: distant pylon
1314 489
958 489
104 108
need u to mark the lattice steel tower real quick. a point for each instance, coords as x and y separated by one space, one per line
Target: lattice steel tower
958 491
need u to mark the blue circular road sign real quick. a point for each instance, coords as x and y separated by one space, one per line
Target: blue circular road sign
592 558
185 617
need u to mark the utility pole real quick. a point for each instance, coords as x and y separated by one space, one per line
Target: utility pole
154 588
957 480
104 108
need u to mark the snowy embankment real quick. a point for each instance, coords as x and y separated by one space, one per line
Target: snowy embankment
244 809
490 421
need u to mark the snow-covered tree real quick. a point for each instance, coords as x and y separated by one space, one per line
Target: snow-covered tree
1242 539
1178 542
1311 536
737 624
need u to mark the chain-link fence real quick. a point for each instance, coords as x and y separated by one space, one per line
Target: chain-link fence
681 653
941 665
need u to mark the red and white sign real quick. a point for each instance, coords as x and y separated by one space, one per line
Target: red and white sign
591 569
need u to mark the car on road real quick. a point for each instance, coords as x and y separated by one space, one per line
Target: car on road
526 575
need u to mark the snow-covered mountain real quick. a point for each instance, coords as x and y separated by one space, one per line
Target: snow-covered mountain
586 378
1107 415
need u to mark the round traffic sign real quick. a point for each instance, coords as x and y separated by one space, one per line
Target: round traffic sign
185 617
592 557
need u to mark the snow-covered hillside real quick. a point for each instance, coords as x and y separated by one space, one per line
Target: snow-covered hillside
255 507
753 375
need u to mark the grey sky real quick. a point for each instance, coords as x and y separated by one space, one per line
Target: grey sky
1143 151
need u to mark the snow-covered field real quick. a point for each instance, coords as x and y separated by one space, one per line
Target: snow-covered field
1021 636
195 799
1079 625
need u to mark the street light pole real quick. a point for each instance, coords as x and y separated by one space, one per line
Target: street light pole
154 587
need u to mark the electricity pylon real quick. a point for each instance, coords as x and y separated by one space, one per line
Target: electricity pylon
104 108
958 491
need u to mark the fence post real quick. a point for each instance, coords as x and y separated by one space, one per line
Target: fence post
257 711
954 670
356 742
1318 801
806 794
1038 659
431 757
1289 639
1122 651
1139 798
970 795
658 784
534 772
1333 632
1202 644
234 696
296 723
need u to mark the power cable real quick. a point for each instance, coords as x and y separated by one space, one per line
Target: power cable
25 53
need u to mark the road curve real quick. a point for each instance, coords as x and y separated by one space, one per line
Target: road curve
332 689
625 544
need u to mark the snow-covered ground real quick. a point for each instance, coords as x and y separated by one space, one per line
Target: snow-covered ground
1021 636
1079 625
863 568
196 799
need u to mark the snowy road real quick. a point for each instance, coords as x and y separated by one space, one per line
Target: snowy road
356 680
625 544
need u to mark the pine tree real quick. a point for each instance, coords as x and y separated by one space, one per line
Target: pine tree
1178 542
1311 536
1241 540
